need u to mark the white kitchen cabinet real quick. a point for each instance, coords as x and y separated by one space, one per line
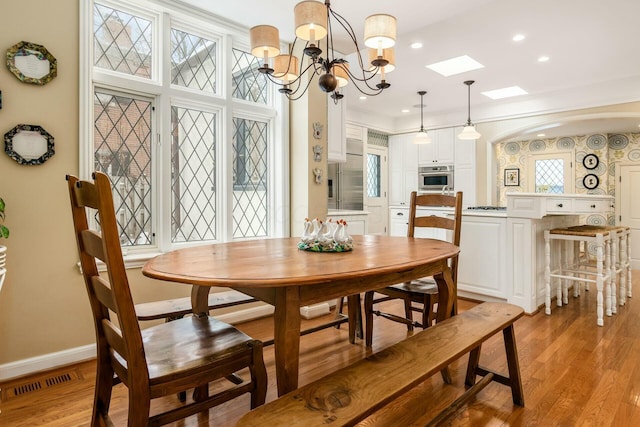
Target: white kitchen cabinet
482 270
398 221
355 132
464 173
336 133
403 169
440 150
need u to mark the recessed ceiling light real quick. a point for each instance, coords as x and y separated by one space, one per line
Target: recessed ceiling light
540 135
416 45
405 111
362 98
518 37
455 66
543 59
505 92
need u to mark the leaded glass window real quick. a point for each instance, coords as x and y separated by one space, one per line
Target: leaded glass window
373 175
121 42
250 167
122 150
193 171
193 61
248 83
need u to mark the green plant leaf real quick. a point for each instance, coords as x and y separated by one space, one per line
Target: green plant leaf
4 231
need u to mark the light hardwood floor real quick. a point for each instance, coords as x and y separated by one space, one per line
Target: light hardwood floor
574 374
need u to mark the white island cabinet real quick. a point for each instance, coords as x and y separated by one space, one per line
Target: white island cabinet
502 252
482 269
528 216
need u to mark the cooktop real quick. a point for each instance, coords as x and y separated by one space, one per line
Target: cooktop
488 208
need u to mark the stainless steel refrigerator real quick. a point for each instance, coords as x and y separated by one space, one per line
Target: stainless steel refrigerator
346 180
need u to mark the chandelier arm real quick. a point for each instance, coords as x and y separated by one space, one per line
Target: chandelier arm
292 96
364 78
376 91
349 30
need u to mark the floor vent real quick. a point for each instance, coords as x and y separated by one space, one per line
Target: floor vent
10 391
27 388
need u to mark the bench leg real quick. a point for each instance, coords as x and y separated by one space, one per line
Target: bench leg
472 366
513 381
514 366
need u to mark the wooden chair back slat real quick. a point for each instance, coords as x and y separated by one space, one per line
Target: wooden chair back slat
103 292
92 244
114 337
432 222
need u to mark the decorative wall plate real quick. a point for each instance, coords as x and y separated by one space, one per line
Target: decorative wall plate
32 63
28 144
590 161
590 181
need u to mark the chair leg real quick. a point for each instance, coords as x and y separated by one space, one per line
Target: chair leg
139 406
102 393
258 373
368 314
408 313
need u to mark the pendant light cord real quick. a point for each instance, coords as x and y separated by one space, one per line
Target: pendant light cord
469 83
422 93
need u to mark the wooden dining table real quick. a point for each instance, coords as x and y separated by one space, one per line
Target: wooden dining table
278 273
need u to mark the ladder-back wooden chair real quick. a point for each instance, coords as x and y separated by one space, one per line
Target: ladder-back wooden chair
161 360
423 292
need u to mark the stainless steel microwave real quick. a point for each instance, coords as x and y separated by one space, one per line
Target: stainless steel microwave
435 178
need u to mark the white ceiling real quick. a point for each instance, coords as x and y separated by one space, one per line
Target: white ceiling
592 45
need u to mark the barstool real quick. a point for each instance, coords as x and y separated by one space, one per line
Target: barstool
620 259
567 271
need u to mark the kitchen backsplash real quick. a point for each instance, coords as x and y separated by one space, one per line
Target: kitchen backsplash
610 149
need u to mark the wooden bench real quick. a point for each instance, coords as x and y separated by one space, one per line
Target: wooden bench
172 309
351 394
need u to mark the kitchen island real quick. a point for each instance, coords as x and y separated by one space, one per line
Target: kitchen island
502 250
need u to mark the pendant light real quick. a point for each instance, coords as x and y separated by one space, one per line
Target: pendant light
422 137
469 131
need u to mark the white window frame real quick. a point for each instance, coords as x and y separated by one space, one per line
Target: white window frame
569 171
165 15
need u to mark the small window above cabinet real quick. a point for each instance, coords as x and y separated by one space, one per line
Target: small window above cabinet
440 150
336 135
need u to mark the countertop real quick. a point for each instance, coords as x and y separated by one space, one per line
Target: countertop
341 212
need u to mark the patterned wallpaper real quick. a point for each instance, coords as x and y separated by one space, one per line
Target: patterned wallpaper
610 149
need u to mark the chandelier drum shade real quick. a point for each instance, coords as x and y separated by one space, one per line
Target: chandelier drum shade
422 137
314 24
469 131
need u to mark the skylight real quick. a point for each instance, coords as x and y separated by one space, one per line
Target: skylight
506 92
454 66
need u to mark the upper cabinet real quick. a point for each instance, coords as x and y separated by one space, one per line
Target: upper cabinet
403 169
336 135
355 132
441 149
464 172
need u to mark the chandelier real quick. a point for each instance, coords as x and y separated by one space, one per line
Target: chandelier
314 24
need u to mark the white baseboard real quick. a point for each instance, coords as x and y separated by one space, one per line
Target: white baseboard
78 354
315 310
47 361
246 314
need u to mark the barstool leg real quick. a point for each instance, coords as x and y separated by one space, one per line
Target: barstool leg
547 273
607 275
599 279
613 271
623 267
629 282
